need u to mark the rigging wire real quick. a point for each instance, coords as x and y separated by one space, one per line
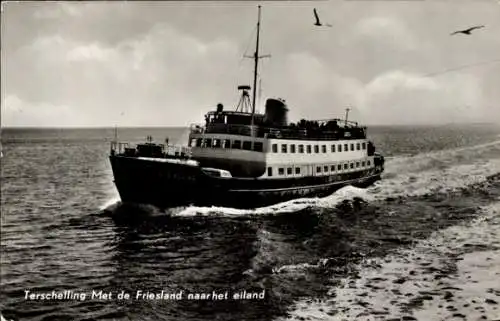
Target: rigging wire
462 67
260 91
249 42
248 45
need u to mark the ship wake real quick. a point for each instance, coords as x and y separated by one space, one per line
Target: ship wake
435 279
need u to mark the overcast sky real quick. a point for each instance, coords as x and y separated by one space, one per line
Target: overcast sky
167 63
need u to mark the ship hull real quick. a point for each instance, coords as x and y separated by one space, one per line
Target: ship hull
169 184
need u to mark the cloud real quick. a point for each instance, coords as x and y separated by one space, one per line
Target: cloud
89 52
153 74
387 32
311 87
397 79
407 98
56 10
144 63
316 90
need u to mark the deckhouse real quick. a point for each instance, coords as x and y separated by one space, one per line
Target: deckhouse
267 146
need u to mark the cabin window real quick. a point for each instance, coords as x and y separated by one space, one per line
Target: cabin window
363 145
269 171
339 167
281 171
339 148
309 149
258 146
297 170
352 146
351 165
292 148
333 148
332 168
358 146
275 148
368 163
363 163
289 171
325 169
346 147
217 143
323 148
247 145
357 164
318 169
283 148
316 148
346 166
208 142
301 149
199 142
236 144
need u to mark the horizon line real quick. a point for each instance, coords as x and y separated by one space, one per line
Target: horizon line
184 126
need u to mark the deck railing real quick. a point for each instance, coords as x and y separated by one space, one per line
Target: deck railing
320 132
166 150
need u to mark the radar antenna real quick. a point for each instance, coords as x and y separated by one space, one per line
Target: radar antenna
244 105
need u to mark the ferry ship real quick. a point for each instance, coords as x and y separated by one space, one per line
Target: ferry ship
243 159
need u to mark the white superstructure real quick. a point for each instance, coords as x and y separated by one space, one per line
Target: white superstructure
285 157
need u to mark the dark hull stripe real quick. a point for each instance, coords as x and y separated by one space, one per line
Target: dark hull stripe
308 186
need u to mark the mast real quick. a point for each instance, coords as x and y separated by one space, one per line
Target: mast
256 58
256 61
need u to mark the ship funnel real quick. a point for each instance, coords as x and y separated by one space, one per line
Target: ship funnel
276 113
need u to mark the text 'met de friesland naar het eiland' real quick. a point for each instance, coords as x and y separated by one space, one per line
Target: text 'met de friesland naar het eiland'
145 295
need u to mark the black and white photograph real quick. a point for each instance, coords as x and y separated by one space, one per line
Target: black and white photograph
320 160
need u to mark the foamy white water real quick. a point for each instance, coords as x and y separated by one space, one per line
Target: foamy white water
454 275
433 181
108 204
430 160
291 206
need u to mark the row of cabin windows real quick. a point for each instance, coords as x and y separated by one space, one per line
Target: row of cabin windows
226 143
281 171
333 148
320 169
259 146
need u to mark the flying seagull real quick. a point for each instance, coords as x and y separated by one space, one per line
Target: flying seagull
318 23
467 31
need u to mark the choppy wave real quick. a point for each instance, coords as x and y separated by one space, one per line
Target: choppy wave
438 278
